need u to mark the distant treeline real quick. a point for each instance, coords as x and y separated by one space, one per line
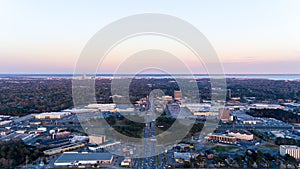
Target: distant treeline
21 97
286 116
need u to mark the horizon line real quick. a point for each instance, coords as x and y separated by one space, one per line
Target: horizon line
162 74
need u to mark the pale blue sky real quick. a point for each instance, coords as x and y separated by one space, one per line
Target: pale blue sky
250 36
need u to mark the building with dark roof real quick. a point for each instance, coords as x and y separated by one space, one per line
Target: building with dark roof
85 158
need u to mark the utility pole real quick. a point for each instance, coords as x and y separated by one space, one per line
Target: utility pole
26 161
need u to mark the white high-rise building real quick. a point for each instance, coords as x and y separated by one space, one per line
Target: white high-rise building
293 151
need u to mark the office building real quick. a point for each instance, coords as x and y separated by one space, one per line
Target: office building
222 138
96 139
293 151
177 95
225 115
241 135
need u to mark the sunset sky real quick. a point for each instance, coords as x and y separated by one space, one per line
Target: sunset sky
250 36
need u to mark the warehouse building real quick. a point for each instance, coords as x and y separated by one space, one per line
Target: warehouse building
63 149
85 158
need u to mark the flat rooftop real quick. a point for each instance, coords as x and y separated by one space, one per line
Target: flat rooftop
290 146
74 156
52 113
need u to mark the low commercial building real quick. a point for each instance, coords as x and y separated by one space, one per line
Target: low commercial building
63 134
198 107
5 122
266 106
35 123
5 132
241 135
4 116
278 134
13 136
63 149
29 137
167 98
76 139
21 131
105 145
103 107
182 156
126 162
293 151
125 110
43 129
252 121
52 115
223 138
205 114
75 158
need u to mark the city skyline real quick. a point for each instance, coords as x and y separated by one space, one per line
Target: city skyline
149 84
250 37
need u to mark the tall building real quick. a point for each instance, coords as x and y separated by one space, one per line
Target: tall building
83 76
225 115
229 93
177 95
293 151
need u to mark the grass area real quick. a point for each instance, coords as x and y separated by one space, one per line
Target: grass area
269 146
159 131
223 148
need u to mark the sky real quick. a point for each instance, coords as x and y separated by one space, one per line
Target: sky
250 36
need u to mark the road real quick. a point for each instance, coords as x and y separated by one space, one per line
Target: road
150 144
